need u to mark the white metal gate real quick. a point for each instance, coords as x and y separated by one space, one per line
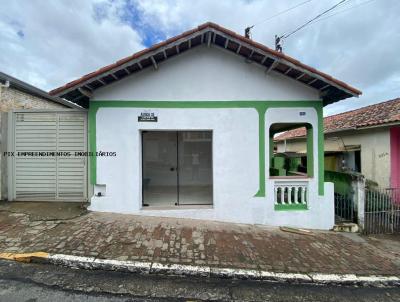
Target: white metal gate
382 211
48 164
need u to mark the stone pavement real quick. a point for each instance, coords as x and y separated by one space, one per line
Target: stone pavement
183 241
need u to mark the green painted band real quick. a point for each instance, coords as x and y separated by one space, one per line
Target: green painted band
310 151
291 207
260 106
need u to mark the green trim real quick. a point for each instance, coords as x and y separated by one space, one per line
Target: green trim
260 106
261 151
310 151
321 162
271 148
291 207
92 142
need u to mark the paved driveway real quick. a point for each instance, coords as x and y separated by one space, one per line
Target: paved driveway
195 242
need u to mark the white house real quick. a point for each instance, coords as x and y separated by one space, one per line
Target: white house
184 129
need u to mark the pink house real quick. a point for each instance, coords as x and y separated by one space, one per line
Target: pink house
395 155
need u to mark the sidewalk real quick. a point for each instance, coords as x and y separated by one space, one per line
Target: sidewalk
67 229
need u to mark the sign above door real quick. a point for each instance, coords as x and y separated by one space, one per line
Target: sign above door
147 117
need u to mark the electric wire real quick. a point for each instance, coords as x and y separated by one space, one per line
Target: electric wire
281 13
344 10
285 36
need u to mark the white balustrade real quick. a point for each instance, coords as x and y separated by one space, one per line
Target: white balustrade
290 192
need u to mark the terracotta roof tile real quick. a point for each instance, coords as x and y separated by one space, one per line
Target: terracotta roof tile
377 114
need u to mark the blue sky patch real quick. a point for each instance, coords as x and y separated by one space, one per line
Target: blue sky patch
131 15
149 33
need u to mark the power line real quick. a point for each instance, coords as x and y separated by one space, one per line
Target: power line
281 13
285 36
344 10
247 29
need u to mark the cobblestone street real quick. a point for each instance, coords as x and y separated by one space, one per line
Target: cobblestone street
195 242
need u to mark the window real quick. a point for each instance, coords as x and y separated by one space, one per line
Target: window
294 157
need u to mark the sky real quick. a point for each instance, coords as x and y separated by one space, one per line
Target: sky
49 43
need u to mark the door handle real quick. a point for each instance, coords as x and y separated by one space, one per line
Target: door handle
172 169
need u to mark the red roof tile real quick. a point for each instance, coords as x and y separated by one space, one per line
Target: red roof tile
214 26
378 114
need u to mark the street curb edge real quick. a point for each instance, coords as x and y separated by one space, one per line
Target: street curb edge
92 263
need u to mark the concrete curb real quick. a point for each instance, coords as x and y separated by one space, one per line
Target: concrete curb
92 263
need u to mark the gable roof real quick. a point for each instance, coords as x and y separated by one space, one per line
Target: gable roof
331 89
32 90
374 115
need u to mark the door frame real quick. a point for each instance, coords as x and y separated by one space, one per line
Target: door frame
142 132
141 197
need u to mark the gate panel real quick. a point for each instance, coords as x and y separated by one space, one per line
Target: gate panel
41 177
35 176
345 208
71 170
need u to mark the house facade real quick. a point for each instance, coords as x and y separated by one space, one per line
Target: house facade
185 129
364 140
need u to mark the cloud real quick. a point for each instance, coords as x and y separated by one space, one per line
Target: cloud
359 45
63 40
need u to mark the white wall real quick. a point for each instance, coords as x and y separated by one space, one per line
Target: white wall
235 167
206 74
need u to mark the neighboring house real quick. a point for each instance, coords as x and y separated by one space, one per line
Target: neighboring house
19 98
184 129
365 140
16 94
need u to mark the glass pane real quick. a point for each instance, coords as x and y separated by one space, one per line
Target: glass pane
195 167
160 180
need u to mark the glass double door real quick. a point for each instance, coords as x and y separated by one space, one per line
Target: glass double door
177 168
